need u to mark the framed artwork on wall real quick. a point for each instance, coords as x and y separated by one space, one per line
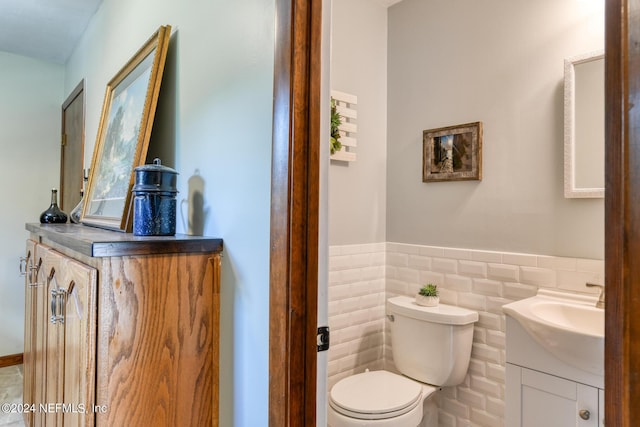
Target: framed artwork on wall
123 135
452 153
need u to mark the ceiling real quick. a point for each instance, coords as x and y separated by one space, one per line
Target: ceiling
44 29
49 29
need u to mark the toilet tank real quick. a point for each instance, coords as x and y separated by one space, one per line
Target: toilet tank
431 344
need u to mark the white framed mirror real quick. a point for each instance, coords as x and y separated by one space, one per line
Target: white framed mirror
584 126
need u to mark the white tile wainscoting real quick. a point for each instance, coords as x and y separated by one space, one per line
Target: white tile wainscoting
361 277
356 309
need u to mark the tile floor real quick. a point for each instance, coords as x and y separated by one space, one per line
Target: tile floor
11 392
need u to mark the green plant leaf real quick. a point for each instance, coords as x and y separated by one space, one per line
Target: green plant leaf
429 290
336 121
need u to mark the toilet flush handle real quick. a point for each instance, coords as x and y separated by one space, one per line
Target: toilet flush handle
391 318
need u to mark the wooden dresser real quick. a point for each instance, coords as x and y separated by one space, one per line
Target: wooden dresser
120 330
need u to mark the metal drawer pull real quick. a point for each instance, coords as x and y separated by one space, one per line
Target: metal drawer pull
23 266
57 305
26 265
61 300
35 269
54 306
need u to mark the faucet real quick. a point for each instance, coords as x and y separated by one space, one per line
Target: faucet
600 303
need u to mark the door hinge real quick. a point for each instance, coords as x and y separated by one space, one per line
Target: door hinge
323 338
63 139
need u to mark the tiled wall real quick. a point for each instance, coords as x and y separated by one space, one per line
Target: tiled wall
356 309
478 280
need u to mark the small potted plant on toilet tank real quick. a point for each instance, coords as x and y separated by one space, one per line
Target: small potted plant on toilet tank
428 295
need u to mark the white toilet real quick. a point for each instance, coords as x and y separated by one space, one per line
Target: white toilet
431 348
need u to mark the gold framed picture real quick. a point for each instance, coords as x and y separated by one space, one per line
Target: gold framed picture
123 135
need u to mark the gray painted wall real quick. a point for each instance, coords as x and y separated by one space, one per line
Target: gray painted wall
214 118
357 190
29 167
500 63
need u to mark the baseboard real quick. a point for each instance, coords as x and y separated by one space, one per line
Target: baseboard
10 360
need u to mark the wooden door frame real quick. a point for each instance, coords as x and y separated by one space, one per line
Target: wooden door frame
294 214
77 91
622 212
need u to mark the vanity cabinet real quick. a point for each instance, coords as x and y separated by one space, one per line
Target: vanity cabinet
539 399
120 329
541 390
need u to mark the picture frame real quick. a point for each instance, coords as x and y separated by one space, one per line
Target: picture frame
452 153
123 135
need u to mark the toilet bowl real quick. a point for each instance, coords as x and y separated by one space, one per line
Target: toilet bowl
378 399
431 348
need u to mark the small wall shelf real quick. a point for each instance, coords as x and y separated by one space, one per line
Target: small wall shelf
346 105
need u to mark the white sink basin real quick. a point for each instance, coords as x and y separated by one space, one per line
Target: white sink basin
568 326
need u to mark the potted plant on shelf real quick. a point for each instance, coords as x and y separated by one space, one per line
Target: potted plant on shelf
428 296
336 121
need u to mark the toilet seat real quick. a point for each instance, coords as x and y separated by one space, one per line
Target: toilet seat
375 395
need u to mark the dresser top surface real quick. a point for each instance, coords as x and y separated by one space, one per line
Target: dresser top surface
97 242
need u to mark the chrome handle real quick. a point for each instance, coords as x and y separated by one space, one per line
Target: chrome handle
35 269
61 300
23 266
54 306
34 275
34 285
57 305
584 414
594 285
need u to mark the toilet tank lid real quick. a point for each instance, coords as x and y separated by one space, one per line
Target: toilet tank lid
442 313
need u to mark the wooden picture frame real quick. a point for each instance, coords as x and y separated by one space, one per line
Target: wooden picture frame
123 135
452 153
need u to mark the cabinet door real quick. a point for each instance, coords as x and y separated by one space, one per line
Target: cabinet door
29 329
54 268
78 333
70 341
39 319
546 400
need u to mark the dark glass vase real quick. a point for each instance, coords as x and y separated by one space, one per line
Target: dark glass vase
53 215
